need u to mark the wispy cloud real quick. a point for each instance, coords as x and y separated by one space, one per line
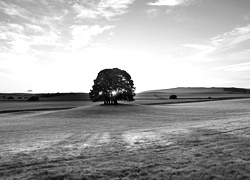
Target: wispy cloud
152 12
199 52
231 68
239 68
169 2
49 38
22 38
20 46
52 25
201 47
14 10
103 8
83 12
232 38
26 25
218 44
82 35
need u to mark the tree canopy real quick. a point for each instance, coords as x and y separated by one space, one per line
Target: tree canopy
173 96
112 85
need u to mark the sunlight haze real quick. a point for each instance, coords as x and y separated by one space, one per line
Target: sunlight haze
61 45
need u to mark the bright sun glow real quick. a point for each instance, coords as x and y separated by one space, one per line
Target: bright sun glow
114 93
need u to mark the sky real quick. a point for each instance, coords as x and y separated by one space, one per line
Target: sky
61 45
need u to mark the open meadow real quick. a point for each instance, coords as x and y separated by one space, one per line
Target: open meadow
124 90
202 140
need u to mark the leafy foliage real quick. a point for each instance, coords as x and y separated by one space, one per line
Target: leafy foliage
33 98
173 96
11 97
112 85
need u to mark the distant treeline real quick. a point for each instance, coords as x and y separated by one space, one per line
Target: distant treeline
55 94
237 90
31 97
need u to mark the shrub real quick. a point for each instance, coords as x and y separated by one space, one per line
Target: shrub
173 96
11 97
33 98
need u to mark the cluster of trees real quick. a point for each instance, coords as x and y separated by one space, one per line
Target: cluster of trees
13 98
56 94
173 96
112 85
31 98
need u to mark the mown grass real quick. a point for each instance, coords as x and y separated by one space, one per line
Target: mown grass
208 140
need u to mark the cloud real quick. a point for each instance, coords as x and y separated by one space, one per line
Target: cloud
3 36
20 46
33 27
12 38
239 67
152 12
33 32
5 71
169 2
169 11
85 12
45 26
219 44
232 38
48 38
14 10
198 52
104 8
82 35
200 47
28 25
22 38
232 68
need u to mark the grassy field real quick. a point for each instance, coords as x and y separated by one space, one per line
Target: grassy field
204 140
193 93
16 106
154 97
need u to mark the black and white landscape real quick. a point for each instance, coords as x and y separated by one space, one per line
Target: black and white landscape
124 89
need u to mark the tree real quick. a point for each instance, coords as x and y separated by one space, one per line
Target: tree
112 85
11 97
173 96
33 98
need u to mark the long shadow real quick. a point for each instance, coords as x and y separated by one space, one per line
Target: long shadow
28 110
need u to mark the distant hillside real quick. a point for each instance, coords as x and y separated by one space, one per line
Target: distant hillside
194 92
46 96
159 94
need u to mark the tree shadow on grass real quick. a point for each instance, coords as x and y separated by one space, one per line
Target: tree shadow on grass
117 105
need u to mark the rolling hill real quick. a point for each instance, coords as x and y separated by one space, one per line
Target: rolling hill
46 97
193 92
159 94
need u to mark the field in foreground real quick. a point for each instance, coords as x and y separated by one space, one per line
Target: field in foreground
206 140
